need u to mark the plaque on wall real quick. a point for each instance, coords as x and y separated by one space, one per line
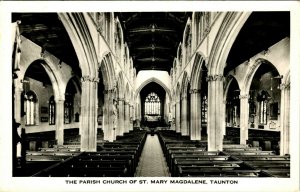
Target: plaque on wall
272 125
44 119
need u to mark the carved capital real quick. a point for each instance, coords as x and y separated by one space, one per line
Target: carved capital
215 78
89 78
107 91
126 103
121 99
244 96
193 91
95 79
183 97
85 78
284 86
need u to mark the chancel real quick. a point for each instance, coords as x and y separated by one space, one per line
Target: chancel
151 94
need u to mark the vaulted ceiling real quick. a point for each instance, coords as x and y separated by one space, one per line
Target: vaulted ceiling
153 37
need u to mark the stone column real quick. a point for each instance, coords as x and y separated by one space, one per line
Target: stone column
126 117
177 124
108 129
130 117
121 117
244 118
88 122
224 117
195 114
17 100
59 121
184 124
173 117
215 110
285 119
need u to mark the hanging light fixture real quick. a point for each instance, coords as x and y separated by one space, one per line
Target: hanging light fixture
271 83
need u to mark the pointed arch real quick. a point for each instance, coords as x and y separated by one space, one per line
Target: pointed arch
81 39
251 72
108 73
55 78
230 79
119 39
185 82
153 79
120 84
229 30
187 41
179 57
196 74
178 91
127 94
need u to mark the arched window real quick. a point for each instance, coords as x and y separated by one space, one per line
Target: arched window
204 109
51 111
68 112
30 106
152 104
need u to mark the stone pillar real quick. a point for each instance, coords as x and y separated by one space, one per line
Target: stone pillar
88 122
224 117
285 119
17 100
215 120
244 118
126 117
59 121
130 117
108 129
173 117
195 114
184 124
121 117
177 124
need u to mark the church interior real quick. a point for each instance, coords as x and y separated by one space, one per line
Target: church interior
151 94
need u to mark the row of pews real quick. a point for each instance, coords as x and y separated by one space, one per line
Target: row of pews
187 158
265 161
112 159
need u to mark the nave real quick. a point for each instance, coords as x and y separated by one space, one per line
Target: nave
88 87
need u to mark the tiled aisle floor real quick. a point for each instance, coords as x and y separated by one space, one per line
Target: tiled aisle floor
152 161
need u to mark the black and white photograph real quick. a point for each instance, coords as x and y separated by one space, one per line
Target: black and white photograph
188 98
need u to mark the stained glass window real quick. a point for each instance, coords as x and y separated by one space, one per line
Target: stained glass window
152 104
51 111
263 108
30 103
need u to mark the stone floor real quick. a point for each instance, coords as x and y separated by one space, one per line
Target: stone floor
152 161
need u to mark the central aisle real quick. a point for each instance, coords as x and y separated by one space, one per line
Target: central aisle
152 161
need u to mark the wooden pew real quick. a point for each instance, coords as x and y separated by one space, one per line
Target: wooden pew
248 153
192 172
198 159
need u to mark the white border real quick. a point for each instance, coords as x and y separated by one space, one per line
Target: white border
9 183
